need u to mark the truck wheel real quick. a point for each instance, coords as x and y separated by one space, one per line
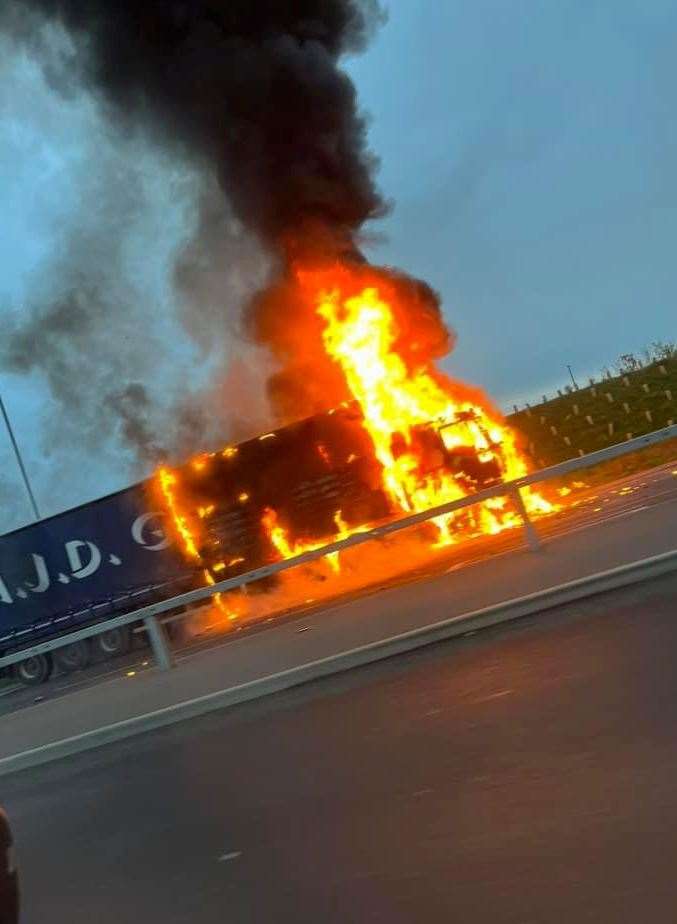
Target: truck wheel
72 657
114 642
34 671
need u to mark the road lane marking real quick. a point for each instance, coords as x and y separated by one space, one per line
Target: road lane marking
485 699
8 690
600 521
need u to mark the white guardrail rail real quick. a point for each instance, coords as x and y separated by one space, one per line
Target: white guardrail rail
156 631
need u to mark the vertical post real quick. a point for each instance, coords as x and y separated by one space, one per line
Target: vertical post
532 538
575 383
159 643
22 469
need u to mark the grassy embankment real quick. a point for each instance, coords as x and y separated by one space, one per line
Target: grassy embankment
612 410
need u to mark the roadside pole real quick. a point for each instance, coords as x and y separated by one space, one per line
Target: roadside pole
19 460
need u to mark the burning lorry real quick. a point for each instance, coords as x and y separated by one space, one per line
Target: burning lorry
406 438
305 484
219 515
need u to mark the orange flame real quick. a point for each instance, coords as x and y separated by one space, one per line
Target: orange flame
168 482
221 601
360 333
280 539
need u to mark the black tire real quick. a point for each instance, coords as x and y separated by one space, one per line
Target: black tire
114 642
72 657
35 670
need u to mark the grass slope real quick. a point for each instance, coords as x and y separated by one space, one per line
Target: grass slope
604 413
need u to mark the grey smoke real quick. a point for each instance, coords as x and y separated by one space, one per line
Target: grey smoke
249 101
87 328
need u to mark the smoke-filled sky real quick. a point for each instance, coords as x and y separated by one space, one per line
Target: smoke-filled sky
528 149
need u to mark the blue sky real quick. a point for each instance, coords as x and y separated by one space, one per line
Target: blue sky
529 148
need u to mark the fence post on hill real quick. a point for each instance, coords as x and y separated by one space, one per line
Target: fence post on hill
530 533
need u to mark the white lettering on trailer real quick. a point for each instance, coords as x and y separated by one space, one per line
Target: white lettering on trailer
5 596
142 535
85 558
78 569
42 575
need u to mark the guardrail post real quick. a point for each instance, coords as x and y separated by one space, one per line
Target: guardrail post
532 537
159 643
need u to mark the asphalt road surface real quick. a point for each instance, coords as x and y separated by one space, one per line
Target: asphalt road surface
526 774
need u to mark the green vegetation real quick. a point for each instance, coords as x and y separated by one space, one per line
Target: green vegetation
638 397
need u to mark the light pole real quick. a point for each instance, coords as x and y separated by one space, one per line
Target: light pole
19 460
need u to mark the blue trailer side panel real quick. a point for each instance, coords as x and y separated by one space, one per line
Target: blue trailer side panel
67 563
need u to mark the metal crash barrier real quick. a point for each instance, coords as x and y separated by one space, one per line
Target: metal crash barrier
148 615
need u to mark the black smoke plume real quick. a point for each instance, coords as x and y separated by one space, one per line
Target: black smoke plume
252 89
248 91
